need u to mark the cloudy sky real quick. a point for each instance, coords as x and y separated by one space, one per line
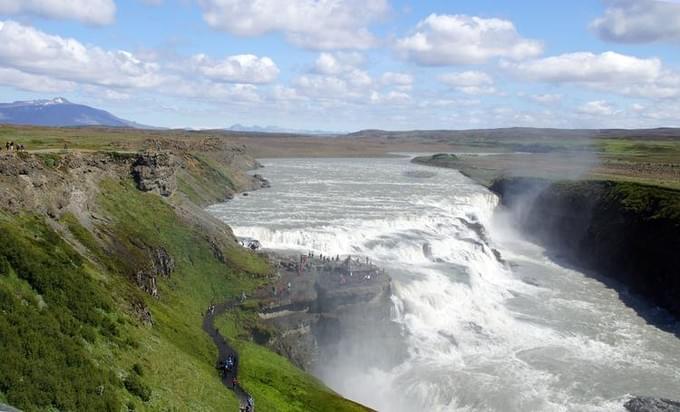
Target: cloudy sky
344 65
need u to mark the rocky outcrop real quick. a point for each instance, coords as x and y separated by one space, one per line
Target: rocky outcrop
625 231
326 310
155 171
644 404
261 181
161 266
142 312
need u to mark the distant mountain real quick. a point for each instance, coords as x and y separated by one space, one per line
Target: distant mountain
274 129
60 112
538 134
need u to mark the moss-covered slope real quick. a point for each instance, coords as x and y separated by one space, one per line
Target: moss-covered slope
102 287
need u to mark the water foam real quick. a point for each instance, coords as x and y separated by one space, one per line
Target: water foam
479 337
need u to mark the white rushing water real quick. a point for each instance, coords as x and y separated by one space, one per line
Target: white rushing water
517 334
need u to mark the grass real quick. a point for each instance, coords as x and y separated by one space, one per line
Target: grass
205 182
649 201
68 295
200 279
52 311
275 383
178 355
648 148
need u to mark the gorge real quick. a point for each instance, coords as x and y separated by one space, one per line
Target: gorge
489 320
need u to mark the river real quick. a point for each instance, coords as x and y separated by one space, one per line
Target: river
490 323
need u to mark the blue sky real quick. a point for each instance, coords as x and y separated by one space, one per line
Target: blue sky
350 64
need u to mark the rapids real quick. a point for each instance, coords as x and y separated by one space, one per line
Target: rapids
490 322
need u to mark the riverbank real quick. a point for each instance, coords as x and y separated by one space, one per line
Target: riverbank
107 263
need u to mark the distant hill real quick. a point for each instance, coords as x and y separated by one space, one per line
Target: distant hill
663 133
60 112
274 129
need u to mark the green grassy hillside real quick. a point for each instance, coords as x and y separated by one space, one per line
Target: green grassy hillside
75 331
272 379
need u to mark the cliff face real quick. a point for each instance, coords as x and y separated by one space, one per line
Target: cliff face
625 231
327 311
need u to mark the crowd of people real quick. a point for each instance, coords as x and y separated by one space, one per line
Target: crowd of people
13 147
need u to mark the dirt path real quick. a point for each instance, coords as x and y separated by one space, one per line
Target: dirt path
224 350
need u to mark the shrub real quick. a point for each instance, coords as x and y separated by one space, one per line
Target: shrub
44 368
44 362
138 369
133 383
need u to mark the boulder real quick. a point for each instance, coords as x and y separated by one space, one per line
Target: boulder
261 182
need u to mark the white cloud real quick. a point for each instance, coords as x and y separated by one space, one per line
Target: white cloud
327 87
319 24
283 93
98 12
218 92
652 116
37 61
458 39
639 21
546 98
397 79
393 97
637 107
32 51
244 68
33 83
608 71
597 108
589 67
337 63
338 79
336 76
469 82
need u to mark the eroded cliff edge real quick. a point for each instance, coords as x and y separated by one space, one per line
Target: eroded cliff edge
625 231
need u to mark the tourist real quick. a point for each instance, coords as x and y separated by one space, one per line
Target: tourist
230 363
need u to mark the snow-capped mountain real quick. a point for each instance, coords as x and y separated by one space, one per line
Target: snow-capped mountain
59 112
